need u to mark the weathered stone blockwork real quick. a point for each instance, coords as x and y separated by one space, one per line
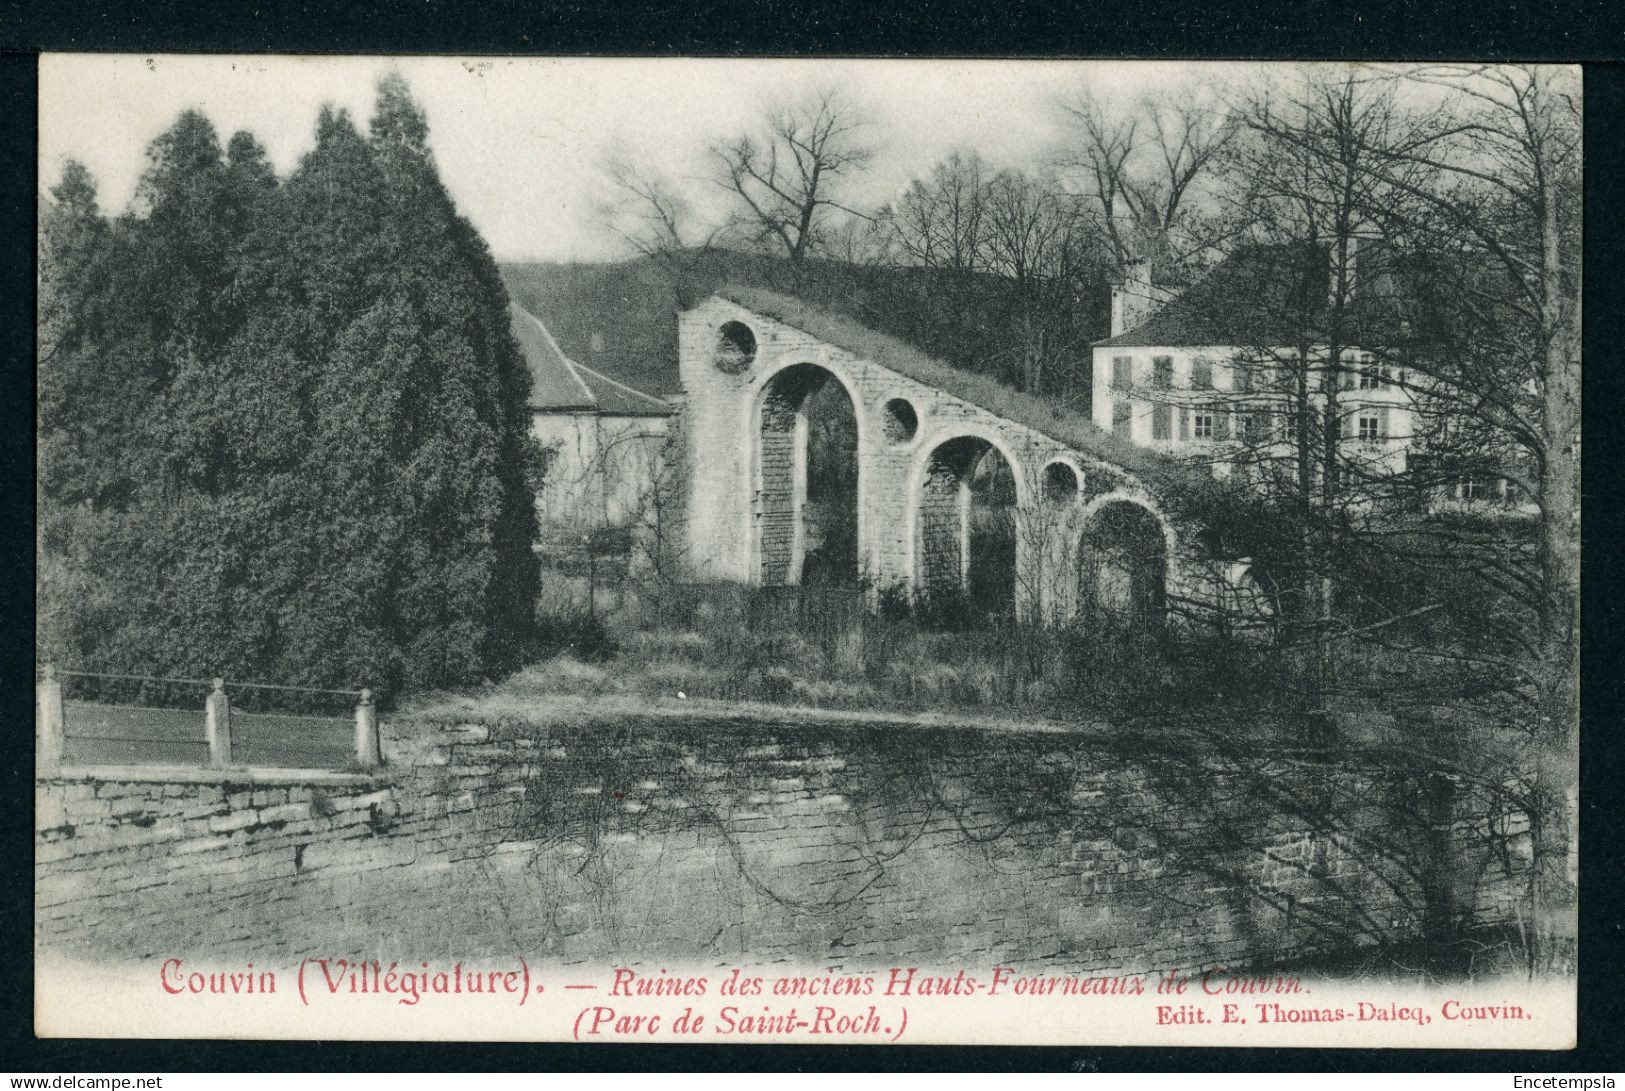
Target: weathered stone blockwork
741 462
703 840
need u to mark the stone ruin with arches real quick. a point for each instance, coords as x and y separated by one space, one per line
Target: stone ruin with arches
962 486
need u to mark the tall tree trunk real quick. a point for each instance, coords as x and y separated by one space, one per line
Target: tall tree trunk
1554 816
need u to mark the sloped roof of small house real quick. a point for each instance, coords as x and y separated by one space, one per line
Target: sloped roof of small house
560 384
1062 425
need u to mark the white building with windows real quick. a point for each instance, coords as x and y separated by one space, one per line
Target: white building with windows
1210 376
606 443
1226 405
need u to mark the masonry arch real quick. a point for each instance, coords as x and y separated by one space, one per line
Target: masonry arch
966 496
1123 563
1062 480
806 478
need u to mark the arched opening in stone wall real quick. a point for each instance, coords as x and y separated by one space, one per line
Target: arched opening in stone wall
1061 483
736 348
1123 566
899 422
807 480
965 539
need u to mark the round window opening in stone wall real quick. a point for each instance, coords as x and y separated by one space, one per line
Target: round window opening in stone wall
736 348
899 421
1061 484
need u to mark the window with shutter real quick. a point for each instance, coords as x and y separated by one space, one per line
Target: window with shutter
1201 373
1122 419
1184 423
1162 372
1122 372
1162 422
1221 424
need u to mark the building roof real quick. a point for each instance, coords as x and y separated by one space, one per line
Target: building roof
1062 425
1274 294
559 384
620 318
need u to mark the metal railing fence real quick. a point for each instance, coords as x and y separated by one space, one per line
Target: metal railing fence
149 719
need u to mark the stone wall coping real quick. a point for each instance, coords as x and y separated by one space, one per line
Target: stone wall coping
191 774
574 710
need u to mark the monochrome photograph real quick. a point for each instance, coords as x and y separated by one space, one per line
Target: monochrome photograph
821 551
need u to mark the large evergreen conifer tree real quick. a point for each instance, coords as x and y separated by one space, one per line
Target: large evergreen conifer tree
315 467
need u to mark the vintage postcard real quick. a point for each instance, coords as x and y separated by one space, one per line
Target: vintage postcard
820 551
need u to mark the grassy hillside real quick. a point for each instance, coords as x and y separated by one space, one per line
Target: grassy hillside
621 318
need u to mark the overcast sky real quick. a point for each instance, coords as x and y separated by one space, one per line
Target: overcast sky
520 142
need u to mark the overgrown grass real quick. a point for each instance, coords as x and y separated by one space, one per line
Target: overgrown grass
826 648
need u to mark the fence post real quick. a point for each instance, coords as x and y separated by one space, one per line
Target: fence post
368 753
217 718
49 724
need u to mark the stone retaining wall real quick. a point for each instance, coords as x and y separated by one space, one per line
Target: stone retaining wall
666 840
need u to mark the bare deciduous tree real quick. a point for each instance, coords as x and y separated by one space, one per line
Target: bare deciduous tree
786 181
940 222
1138 171
1464 292
1511 170
651 211
1033 242
647 208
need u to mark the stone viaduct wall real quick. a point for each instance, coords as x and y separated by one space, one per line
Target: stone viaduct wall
701 839
743 490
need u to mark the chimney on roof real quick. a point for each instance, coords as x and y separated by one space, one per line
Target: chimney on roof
1134 297
1351 268
1352 277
